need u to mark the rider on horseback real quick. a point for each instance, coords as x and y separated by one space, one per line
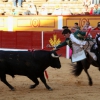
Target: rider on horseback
77 40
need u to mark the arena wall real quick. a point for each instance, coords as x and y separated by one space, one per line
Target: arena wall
44 23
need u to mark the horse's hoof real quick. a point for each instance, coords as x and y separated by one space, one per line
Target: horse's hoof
90 83
13 89
32 86
99 69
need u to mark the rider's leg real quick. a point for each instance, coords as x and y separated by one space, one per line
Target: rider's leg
92 54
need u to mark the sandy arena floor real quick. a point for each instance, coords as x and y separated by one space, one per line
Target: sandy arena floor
65 86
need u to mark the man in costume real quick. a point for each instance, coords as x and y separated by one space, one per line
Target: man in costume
66 33
77 41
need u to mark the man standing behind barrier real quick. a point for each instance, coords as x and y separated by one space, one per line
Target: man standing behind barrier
98 26
87 26
75 27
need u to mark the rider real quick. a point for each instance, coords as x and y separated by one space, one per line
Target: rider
77 40
66 33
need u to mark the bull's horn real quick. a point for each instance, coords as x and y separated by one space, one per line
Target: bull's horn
54 56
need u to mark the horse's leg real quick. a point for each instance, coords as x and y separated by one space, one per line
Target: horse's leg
86 67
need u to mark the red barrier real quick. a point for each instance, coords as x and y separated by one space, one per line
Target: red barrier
62 38
94 32
60 30
24 39
46 37
0 38
8 39
50 36
36 40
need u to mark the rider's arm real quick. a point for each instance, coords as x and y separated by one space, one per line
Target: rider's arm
62 44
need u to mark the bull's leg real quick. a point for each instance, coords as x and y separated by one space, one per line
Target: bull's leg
35 80
3 79
44 81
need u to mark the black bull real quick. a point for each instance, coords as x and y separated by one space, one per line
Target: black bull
30 64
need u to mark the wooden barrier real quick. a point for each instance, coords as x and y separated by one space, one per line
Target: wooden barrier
31 40
94 32
34 39
8 39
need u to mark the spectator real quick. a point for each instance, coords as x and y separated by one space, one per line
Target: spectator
86 2
43 11
17 1
66 11
76 27
98 26
87 26
98 23
31 10
95 1
57 10
30 3
14 12
2 12
91 9
85 10
96 10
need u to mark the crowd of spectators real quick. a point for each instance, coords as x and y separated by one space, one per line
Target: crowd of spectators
59 9
85 27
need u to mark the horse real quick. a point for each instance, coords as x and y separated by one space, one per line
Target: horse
85 64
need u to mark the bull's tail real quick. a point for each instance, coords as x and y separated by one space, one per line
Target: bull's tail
77 69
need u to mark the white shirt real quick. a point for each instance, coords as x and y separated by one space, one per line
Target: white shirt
57 12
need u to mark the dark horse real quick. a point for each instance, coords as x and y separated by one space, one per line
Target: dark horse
85 64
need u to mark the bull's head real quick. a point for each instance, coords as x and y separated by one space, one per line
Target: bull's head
55 62
54 56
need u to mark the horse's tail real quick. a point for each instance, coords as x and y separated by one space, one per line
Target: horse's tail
77 69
